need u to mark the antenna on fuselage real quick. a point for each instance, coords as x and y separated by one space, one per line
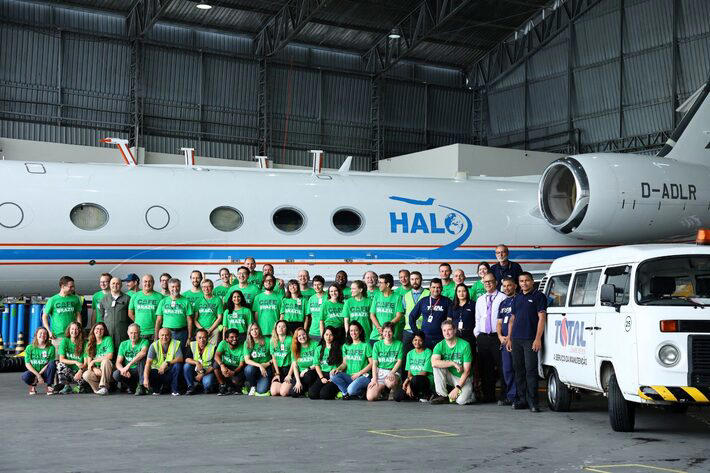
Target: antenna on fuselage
345 167
189 157
123 148
263 162
317 160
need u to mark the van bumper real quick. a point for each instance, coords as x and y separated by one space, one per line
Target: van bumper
682 394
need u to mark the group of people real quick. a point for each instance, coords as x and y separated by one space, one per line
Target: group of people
258 335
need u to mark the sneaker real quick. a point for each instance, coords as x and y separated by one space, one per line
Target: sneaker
191 391
347 397
252 391
535 409
339 395
266 394
102 391
140 390
175 394
245 390
440 400
423 400
75 389
32 391
155 393
505 402
222 390
66 389
50 390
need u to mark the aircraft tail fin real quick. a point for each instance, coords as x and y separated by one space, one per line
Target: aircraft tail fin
690 141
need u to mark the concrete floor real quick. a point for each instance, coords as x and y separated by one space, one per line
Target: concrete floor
86 433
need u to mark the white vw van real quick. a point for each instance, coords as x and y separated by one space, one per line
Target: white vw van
632 322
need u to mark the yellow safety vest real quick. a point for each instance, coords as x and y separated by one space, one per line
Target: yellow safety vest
162 357
205 358
409 305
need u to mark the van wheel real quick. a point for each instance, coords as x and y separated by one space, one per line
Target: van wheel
559 396
622 413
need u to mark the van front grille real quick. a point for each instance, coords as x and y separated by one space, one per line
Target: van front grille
699 361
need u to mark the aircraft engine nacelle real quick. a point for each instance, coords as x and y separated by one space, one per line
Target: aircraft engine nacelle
611 198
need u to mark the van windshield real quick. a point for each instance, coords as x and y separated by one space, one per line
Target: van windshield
674 280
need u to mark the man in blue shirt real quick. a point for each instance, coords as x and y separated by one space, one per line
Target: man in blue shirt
526 326
433 309
505 268
506 307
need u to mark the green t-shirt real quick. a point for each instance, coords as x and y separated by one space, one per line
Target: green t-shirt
175 312
66 349
371 294
387 355
449 290
476 291
281 350
356 356
256 278
293 310
420 363
129 351
230 357
248 292
220 291
208 310
308 356
258 353
39 357
307 293
130 293
95 299
278 290
193 297
145 308
332 314
62 311
321 357
385 309
266 307
460 353
347 293
359 311
315 303
401 290
239 319
103 348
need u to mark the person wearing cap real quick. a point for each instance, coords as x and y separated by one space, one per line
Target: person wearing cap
113 309
176 313
163 364
131 281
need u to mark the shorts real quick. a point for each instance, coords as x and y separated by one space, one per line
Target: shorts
383 373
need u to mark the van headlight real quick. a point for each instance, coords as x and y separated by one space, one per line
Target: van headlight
668 355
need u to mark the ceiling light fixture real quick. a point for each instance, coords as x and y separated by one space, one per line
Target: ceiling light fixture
395 33
204 6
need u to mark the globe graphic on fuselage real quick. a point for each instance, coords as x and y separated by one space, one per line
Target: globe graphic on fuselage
453 223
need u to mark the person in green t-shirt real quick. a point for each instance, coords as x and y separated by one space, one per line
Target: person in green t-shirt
293 307
237 316
313 309
477 289
177 314
404 283
419 383
371 280
459 277
280 349
132 281
257 357
71 365
60 310
99 359
451 361
208 312
255 277
104 281
447 284
386 307
331 312
386 362
249 291
357 307
303 355
304 278
328 356
130 361
279 285
226 277
143 308
229 361
341 279
40 364
266 306
195 292
353 374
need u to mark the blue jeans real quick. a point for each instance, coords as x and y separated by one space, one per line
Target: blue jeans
508 374
171 377
208 380
135 375
48 375
349 386
254 377
179 335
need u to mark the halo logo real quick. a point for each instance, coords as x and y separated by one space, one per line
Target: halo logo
429 218
453 223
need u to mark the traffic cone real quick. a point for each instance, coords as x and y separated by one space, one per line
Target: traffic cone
20 347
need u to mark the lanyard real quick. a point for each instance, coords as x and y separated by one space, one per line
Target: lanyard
432 305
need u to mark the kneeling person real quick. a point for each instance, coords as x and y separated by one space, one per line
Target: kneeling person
386 361
229 364
198 367
130 362
451 361
163 364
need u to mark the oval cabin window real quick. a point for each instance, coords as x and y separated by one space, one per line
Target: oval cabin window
157 217
288 220
88 216
347 221
226 219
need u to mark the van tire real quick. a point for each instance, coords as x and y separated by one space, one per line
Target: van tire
622 413
559 396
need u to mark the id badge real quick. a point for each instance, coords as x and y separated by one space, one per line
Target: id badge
505 320
460 324
430 319
283 347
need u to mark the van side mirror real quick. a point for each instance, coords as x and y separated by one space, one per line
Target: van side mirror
607 296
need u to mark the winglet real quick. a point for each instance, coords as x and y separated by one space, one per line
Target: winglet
345 167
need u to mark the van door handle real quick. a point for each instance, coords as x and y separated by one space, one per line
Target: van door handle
589 328
597 328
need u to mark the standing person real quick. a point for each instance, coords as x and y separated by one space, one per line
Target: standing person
226 282
353 374
199 360
526 327
386 307
195 292
386 361
104 281
72 364
303 278
99 359
163 364
332 313
143 308
341 279
409 300
257 357
237 316
255 277
357 308
371 281
280 349
209 312
419 383
229 361
506 307
131 281
303 351
462 314
328 357
404 282
39 362
130 362
459 277
176 314
433 310
447 284
313 309
61 310
164 280
266 306
293 307
477 289
268 269
487 343
114 312
451 361
505 268
249 291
